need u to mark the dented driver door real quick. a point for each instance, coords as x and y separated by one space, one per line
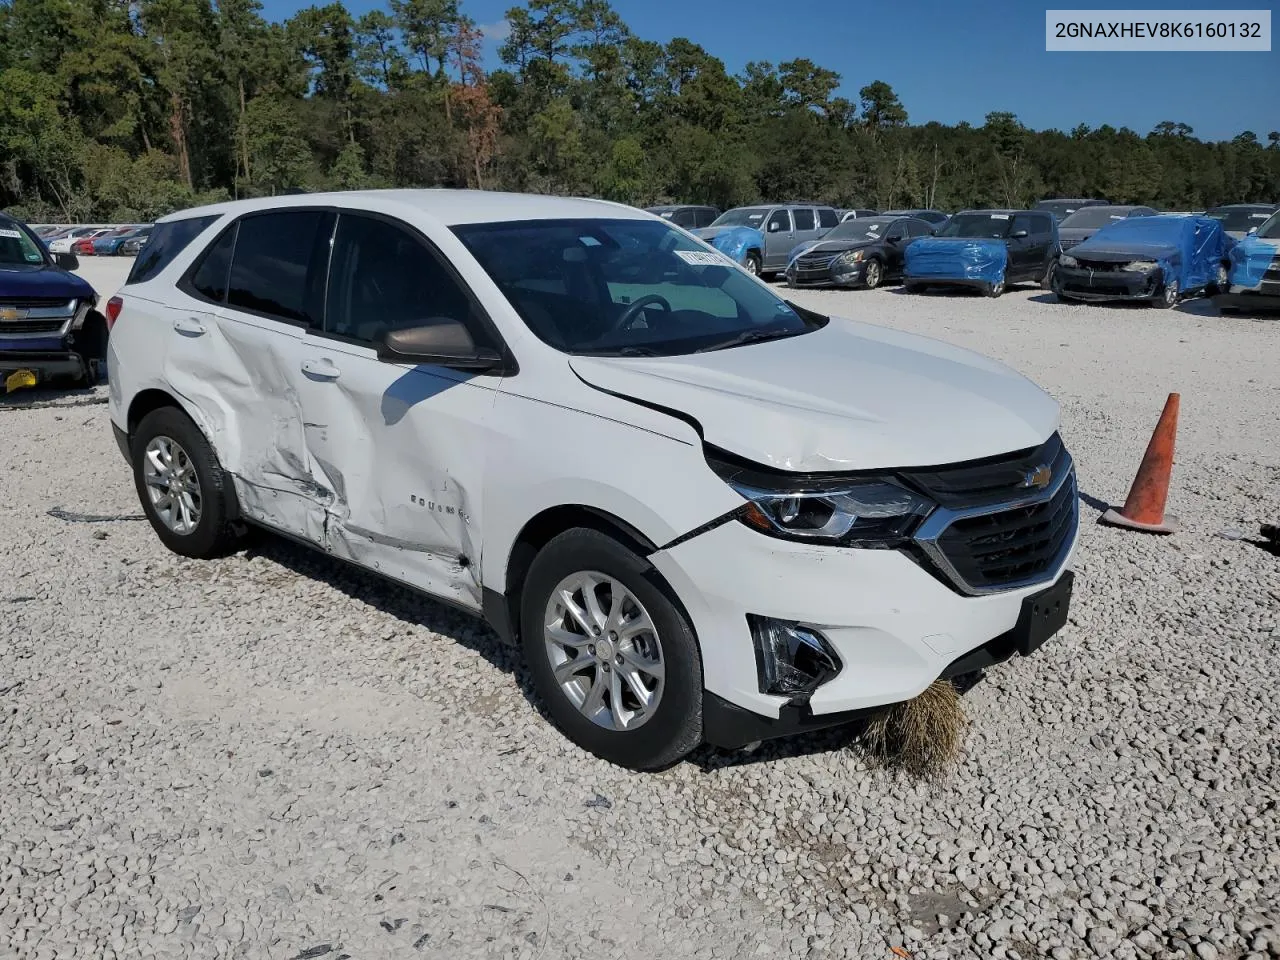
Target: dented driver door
401 449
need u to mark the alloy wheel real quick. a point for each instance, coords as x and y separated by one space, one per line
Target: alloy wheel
173 486
872 276
604 650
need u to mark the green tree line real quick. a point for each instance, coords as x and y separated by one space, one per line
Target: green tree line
129 109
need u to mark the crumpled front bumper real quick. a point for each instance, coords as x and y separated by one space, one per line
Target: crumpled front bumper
1085 284
45 364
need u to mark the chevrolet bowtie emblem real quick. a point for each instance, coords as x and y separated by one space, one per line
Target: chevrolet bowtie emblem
11 313
1038 478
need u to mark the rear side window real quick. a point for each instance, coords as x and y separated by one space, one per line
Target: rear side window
684 218
805 219
827 217
167 240
706 216
209 279
272 270
1043 225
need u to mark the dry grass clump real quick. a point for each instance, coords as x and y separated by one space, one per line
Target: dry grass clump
922 737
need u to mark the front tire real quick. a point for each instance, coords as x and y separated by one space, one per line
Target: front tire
1167 298
752 264
872 275
613 657
184 492
1050 274
994 289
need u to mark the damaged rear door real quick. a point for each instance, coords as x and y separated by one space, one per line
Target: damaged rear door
400 448
274 292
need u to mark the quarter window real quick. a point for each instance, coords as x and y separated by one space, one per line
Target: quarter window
210 277
167 240
383 278
278 267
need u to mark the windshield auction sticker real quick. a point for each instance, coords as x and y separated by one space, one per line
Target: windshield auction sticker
1157 30
699 258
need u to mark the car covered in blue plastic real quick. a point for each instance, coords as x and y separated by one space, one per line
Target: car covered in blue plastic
1160 260
49 325
742 244
1253 275
987 250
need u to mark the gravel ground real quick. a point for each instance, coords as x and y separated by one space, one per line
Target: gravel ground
273 756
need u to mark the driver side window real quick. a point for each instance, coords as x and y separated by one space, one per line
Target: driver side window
383 278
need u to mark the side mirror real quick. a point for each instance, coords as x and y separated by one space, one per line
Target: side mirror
1019 234
67 261
444 343
894 238
774 226
1253 232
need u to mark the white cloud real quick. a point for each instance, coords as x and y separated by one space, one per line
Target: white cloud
496 32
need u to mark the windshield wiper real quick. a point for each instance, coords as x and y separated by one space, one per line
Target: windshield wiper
749 336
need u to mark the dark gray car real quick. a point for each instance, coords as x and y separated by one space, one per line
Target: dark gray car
1087 221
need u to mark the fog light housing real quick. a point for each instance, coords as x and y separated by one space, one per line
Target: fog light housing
791 660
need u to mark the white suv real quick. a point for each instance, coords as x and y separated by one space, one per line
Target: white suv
706 514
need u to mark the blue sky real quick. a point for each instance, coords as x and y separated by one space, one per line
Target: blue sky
953 60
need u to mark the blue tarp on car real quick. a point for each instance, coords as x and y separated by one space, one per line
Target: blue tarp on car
733 242
956 258
1189 249
1250 259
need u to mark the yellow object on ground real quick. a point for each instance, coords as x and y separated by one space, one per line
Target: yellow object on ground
19 379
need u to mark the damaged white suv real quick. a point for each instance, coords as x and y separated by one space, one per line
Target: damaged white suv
706 514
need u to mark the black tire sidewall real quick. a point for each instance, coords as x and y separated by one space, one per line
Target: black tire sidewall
212 535
676 728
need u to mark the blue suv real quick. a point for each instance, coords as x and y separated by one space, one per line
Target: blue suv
49 324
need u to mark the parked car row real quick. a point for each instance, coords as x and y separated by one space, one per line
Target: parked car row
94 241
1117 252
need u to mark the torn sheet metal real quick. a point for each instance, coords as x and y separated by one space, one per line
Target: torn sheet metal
939 259
239 380
398 452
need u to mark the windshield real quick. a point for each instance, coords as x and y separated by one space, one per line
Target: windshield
17 245
1093 217
626 287
1059 208
1271 229
864 229
742 217
995 225
1239 219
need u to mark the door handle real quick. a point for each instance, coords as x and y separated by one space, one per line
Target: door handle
189 326
321 369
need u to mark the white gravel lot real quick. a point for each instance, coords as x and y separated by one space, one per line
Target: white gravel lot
271 756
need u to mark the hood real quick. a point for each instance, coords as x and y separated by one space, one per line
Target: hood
710 233
1078 234
833 246
20 280
851 396
1111 251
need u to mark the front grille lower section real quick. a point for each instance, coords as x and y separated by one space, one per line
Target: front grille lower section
1002 524
13 327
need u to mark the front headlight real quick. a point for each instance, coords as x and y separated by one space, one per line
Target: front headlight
1139 266
852 256
1066 261
863 513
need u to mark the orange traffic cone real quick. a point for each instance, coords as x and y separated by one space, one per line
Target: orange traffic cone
1144 507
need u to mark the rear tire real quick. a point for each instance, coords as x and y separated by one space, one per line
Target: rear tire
189 499
626 588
